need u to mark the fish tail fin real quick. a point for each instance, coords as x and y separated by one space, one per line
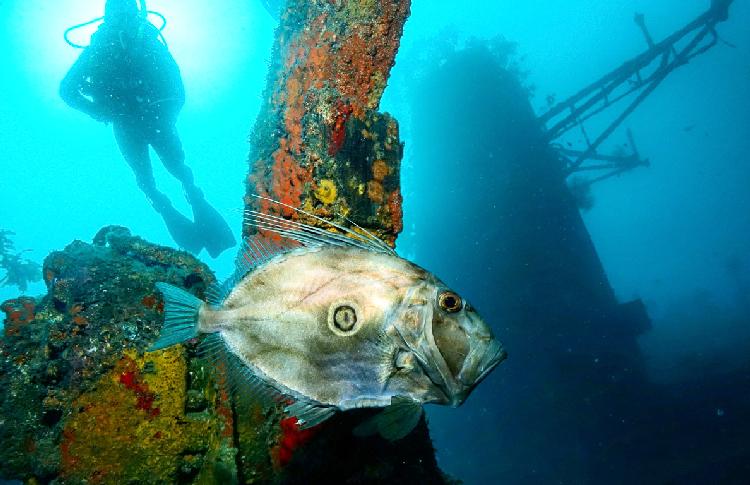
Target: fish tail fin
180 316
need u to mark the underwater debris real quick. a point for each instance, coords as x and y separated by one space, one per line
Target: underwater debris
19 271
81 401
580 190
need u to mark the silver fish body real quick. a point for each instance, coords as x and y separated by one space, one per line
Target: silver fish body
341 326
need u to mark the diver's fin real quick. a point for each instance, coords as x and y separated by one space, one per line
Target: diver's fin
212 228
182 229
180 316
309 235
309 414
393 422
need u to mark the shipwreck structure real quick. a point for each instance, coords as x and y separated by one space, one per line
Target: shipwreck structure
569 407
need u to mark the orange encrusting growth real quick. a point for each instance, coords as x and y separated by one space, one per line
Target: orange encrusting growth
18 312
334 61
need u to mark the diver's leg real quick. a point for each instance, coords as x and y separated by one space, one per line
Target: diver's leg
134 148
217 236
167 144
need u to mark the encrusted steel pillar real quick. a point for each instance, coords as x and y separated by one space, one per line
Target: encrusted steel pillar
319 143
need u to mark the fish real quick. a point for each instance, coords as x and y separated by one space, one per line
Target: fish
333 321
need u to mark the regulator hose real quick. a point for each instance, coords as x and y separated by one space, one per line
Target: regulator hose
76 27
144 15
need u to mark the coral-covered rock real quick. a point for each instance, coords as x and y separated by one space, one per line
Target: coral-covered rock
83 400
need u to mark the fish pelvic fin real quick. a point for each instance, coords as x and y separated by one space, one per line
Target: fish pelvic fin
395 421
309 413
180 316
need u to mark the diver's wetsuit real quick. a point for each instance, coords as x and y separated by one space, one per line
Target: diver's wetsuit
128 77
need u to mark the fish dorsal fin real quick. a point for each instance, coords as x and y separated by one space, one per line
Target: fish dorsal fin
395 421
309 413
254 251
309 235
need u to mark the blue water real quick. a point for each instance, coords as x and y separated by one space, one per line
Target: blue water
676 234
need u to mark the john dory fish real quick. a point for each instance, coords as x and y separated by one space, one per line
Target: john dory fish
339 322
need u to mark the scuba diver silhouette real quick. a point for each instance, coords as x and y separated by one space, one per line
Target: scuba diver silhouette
127 76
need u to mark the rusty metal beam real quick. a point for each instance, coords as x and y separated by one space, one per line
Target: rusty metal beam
319 142
638 77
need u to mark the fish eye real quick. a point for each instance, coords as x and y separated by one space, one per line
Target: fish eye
344 318
450 302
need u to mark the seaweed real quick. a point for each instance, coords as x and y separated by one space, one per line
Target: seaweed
16 270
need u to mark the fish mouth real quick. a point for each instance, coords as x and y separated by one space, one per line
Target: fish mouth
473 374
492 358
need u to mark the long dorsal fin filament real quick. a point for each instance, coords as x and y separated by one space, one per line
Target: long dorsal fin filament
313 235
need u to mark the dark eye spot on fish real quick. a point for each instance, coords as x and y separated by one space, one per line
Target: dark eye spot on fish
344 317
450 302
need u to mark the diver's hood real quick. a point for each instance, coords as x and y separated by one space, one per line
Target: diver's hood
456 351
117 10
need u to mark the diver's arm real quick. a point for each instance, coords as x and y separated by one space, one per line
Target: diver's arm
172 88
72 85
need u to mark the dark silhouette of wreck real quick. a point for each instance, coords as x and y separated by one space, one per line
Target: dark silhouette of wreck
574 403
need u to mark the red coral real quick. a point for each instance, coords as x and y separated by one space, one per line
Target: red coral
289 178
69 460
150 301
397 215
223 404
291 439
338 130
144 397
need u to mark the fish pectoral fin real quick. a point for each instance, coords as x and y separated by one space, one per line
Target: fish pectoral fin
395 421
309 414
